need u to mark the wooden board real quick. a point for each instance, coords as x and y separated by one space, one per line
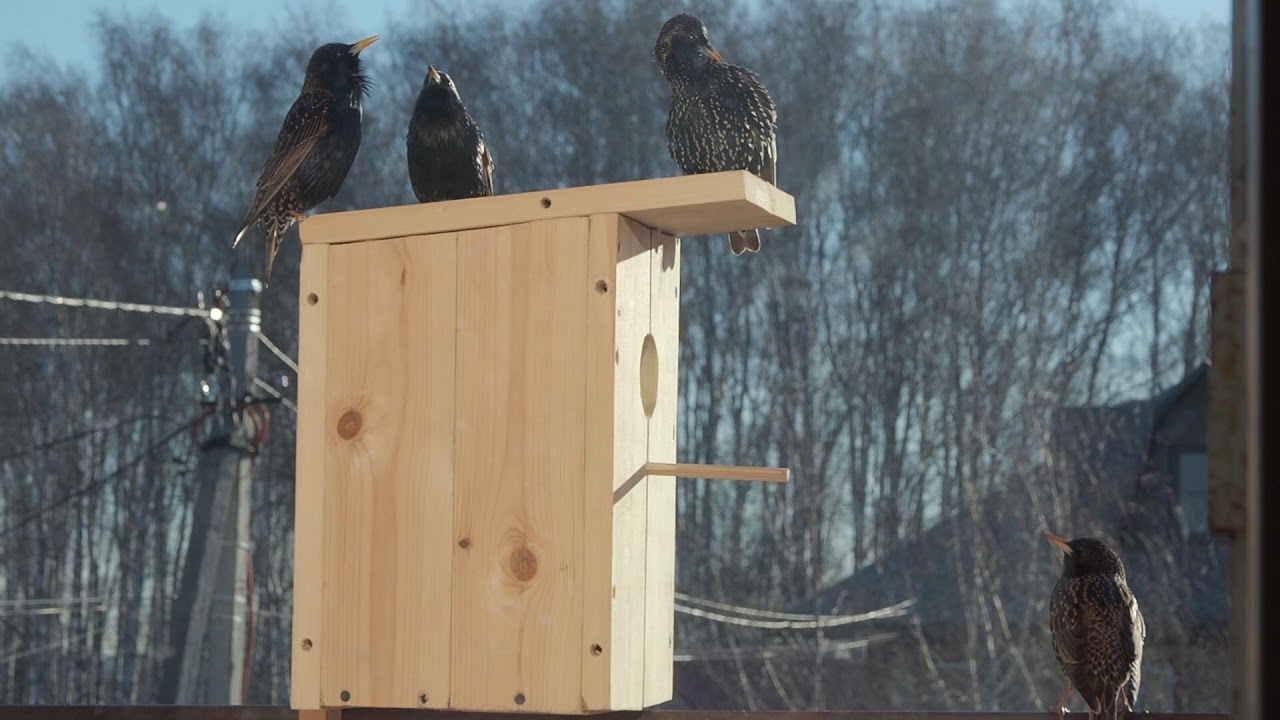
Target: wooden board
309 639
682 206
601 349
389 472
630 441
521 412
660 563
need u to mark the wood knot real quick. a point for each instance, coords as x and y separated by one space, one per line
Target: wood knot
349 424
522 563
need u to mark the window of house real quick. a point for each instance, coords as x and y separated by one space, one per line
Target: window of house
1193 491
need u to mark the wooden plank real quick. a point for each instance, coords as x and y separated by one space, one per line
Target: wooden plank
520 457
719 472
683 205
388 499
630 451
308 524
211 712
597 580
660 561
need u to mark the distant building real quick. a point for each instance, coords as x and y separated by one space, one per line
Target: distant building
1134 473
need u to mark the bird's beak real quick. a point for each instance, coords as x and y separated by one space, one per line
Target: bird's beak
433 75
713 55
1062 544
360 46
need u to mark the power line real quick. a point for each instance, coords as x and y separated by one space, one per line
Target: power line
753 612
50 646
49 601
824 648
51 610
275 350
102 304
275 393
93 484
810 623
79 435
76 342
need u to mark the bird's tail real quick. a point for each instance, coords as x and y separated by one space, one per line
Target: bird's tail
1113 708
240 235
744 241
275 237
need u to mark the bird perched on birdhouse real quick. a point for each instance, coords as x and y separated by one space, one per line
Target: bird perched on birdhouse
1097 628
721 116
316 145
448 157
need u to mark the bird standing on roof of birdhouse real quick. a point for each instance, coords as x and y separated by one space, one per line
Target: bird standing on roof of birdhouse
721 116
316 146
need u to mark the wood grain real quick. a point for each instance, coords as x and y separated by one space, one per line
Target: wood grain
309 638
682 206
521 413
597 579
630 451
389 470
660 561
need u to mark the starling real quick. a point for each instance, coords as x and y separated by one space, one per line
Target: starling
447 154
1097 628
721 116
316 145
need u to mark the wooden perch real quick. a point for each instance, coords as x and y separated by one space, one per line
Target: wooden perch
718 472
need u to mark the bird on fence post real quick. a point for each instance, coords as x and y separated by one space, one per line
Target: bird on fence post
316 145
721 116
447 155
1097 629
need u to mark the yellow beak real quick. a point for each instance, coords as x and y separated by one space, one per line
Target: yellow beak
433 75
1062 544
360 46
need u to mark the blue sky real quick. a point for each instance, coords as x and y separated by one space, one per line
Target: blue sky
62 28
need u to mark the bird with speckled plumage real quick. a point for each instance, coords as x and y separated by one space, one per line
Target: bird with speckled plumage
1097 629
447 155
721 117
317 144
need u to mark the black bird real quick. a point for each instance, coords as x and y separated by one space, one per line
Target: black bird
1097 628
447 154
721 116
316 145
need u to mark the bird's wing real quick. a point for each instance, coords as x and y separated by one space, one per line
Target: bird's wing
486 167
1066 626
1110 652
1136 637
303 127
771 162
744 95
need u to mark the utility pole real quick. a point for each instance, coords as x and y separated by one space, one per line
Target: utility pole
208 636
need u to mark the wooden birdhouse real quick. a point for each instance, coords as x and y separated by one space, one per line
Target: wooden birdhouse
487 444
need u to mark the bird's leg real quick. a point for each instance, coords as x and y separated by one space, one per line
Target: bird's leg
1061 709
297 216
